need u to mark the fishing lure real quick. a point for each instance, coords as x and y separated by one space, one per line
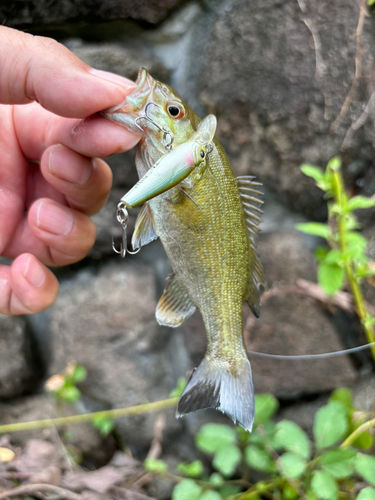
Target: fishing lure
171 169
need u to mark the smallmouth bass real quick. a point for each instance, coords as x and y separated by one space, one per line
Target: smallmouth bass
207 225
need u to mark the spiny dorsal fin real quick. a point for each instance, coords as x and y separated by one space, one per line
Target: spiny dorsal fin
144 231
251 201
174 305
250 197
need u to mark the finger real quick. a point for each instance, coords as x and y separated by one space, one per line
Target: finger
37 129
68 234
84 181
41 69
26 287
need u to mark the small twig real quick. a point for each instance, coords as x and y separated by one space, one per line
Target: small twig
156 448
353 436
88 417
358 70
38 490
357 124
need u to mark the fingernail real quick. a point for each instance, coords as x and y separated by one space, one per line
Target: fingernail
111 77
34 273
54 219
61 165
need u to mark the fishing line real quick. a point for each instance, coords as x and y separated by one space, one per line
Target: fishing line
313 356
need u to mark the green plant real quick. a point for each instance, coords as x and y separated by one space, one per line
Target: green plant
345 256
290 465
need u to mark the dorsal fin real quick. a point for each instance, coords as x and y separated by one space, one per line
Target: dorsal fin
250 197
144 231
174 305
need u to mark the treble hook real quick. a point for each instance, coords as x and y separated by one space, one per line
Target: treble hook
123 217
166 132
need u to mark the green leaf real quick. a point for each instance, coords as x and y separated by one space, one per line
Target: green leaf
320 253
315 228
366 494
339 463
333 257
226 460
69 394
330 277
365 466
330 424
228 490
324 486
315 172
289 436
212 437
344 396
104 425
360 202
179 389
334 163
259 459
154 465
310 495
211 495
195 469
289 493
292 465
216 479
187 490
79 374
266 406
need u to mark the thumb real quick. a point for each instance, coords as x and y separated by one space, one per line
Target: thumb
34 68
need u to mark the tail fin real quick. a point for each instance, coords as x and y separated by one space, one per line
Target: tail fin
214 384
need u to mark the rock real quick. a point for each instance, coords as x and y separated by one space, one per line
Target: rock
106 322
47 12
286 256
18 365
276 92
95 449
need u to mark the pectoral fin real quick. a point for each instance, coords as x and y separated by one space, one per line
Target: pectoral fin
144 231
174 305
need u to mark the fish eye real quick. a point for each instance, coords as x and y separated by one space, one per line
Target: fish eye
175 110
202 153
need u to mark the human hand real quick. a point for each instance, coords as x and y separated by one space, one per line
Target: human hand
51 180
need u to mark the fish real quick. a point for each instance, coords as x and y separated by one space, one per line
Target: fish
208 229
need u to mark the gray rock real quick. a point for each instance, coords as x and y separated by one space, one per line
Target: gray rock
18 366
107 323
276 95
55 12
364 394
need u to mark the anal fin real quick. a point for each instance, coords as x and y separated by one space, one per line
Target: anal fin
144 231
174 305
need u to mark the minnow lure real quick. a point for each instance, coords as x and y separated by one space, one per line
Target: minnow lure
171 169
211 249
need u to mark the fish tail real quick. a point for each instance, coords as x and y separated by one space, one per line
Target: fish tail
225 386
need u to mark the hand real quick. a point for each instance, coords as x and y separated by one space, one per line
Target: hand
51 180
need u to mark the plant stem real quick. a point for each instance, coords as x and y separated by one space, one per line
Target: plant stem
353 436
339 190
88 417
256 491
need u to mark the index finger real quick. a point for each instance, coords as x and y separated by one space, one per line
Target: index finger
40 69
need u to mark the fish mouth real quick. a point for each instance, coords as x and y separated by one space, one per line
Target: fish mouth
129 110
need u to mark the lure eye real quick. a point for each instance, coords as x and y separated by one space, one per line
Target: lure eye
202 153
175 111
